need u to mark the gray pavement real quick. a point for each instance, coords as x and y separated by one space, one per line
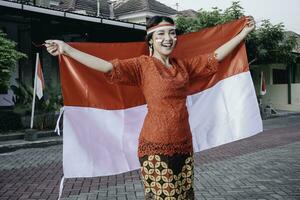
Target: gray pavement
265 166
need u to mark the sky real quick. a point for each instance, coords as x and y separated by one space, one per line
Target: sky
277 11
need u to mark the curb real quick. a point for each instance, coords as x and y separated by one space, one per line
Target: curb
22 144
20 135
283 114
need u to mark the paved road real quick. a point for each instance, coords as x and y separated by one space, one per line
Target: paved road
265 166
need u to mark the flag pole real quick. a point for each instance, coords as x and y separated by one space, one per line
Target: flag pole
34 90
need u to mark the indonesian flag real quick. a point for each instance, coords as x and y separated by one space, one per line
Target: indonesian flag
263 88
102 121
40 83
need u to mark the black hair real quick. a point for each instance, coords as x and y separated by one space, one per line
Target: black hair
154 21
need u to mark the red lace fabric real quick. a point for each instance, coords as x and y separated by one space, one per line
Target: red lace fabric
166 129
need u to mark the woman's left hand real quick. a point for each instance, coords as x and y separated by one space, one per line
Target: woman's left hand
250 25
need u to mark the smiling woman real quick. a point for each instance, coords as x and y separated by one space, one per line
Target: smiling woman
165 147
161 37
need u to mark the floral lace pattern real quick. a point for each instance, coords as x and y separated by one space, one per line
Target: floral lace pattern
169 149
166 127
202 66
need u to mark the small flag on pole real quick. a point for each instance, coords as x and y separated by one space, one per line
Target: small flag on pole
40 84
263 88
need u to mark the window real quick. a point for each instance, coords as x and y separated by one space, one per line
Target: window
54 3
3 90
280 76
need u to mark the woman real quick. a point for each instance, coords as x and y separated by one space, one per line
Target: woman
165 146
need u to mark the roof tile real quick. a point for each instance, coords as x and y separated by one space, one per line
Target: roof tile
122 7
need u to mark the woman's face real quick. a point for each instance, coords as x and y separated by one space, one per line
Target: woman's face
164 40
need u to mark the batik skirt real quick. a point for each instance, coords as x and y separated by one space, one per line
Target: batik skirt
168 177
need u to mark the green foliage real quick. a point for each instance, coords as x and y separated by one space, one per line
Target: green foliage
8 59
206 19
185 24
270 44
9 121
51 100
267 44
235 11
22 98
45 108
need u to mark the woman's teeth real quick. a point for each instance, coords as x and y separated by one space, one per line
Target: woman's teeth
166 45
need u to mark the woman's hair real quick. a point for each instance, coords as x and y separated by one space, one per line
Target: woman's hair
154 21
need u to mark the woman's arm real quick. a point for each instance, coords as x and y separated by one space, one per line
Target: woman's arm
56 47
226 48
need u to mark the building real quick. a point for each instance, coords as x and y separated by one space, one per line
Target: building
30 21
282 82
136 11
26 23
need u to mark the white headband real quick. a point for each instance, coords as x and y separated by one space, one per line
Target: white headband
161 27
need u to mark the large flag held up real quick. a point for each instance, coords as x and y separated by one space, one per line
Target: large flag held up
102 121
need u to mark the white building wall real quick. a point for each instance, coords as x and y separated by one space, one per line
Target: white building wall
6 99
296 94
277 94
138 17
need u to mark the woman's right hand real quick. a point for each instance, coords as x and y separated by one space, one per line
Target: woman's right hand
56 47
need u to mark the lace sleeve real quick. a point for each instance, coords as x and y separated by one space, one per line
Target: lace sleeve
202 66
126 72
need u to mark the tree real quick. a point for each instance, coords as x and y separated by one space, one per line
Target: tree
267 44
8 59
235 11
206 19
270 44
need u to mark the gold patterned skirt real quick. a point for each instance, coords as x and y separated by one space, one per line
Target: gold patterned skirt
168 177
